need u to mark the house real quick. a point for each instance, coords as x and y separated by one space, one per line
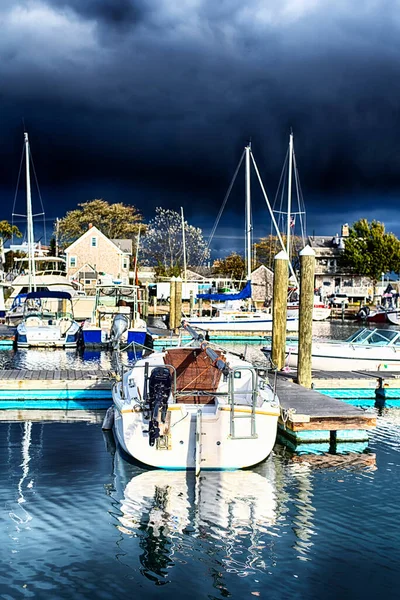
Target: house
93 256
262 281
330 277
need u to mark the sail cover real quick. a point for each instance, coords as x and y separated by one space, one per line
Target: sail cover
242 295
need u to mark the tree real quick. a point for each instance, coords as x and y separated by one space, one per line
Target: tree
114 220
233 266
52 247
7 231
163 243
268 247
370 251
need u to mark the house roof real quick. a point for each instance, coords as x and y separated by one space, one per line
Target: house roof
322 241
124 245
93 230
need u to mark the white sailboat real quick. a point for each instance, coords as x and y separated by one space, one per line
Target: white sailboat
195 408
233 316
47 318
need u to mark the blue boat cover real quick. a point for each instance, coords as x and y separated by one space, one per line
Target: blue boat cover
19 300
47 294
242 295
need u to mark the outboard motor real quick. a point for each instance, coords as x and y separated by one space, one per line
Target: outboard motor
160 384
363 313
119 326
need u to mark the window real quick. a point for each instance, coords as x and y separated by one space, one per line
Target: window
72 261
125 263
94 242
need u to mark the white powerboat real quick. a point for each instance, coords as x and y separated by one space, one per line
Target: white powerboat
48 321
195 408
367 350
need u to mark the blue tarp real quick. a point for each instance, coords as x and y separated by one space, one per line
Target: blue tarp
46 294
242 295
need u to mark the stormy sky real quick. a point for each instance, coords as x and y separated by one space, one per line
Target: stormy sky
150 102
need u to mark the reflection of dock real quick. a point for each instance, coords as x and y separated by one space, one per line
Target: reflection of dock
307 416
68 389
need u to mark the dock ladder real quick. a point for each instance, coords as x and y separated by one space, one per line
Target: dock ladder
234 415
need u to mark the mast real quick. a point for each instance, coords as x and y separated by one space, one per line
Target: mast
184 244
248 213
31 241
289 195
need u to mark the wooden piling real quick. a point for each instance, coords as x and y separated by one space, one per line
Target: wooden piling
178 303
279 309
200 307
146 302
307 271
155 306
172 303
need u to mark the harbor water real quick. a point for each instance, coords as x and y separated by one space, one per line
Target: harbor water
79 521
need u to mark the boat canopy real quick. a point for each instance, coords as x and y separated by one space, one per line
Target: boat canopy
47 294
242 295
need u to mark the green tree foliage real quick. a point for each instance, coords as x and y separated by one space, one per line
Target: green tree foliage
163 243
7 231
114 220
268 247
370 251
233 266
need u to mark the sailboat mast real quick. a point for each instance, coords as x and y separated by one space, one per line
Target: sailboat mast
248 214
184 245
289 209
31 241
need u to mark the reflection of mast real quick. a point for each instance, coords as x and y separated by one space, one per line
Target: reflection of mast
303 521
26 442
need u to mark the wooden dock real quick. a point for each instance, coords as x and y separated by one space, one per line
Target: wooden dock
69 390
310 416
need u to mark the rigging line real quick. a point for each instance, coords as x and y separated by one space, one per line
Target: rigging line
221 210
40 198
280 186
272 215
16 190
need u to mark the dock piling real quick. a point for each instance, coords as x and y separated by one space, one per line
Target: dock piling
191 301
172 303
307 270
178 303
279 309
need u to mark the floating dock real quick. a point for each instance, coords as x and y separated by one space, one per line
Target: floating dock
310 417
66 390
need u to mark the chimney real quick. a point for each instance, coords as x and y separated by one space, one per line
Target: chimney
345 230
90 226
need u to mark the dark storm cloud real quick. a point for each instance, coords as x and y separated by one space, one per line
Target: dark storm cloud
159 97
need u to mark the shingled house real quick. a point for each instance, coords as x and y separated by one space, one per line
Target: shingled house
330 277
93 255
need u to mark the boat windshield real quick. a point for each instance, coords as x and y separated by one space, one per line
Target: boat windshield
49 308
376 337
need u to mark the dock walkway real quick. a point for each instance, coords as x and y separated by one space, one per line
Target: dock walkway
309 415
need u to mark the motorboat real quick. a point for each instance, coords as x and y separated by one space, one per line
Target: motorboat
110 301
195 407
321 311
47 321
367 349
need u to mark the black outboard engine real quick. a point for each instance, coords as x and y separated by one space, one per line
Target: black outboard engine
160 383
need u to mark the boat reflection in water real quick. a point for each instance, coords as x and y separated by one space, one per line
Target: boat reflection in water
172 511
